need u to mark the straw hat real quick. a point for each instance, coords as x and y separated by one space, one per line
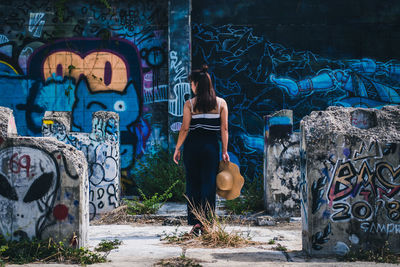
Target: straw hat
229 180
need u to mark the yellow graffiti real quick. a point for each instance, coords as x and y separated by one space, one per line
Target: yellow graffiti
47 122
5 63
104 71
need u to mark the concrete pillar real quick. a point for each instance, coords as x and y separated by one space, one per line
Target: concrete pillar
281 165
350 173
101 149
179 36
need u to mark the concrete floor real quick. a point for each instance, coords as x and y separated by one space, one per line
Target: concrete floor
142 247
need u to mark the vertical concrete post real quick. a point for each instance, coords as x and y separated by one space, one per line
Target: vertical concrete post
179 59
281 165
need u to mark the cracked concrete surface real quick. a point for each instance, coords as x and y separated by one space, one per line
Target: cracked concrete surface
142 247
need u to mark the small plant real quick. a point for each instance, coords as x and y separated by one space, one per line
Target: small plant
178 262
108 245
176 237
149 205
155 172
271 242
381 255
279 247
251 199
26 251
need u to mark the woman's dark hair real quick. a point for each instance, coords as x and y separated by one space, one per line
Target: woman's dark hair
206 98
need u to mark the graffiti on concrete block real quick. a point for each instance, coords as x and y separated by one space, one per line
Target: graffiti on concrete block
29 180
320 238
101 149
362 190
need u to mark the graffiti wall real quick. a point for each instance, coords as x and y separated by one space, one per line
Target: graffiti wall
101 149
297 55
352 170
43 189
82 57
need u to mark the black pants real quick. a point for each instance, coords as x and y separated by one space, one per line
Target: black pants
201 160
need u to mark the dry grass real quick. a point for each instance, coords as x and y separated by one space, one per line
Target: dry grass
120 216
178 262
214 234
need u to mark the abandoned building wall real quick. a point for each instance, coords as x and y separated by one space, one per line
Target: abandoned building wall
43 187
351 166
101 149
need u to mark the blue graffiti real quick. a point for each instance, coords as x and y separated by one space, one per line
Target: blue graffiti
258 77
363 84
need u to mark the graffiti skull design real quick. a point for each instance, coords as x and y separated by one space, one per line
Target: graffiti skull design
29 179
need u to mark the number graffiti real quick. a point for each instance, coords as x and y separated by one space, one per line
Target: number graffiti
375 189
23 162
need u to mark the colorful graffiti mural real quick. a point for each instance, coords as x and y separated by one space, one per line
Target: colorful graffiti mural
94 58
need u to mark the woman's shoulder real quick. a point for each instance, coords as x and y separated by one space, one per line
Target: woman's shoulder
190 100
221 100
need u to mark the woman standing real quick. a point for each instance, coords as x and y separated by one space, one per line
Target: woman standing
205 116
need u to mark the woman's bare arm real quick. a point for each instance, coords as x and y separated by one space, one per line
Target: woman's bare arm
224 130
187 116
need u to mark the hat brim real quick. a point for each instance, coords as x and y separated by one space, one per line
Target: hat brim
238 180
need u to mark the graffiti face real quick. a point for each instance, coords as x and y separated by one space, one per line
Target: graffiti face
29 179
93 79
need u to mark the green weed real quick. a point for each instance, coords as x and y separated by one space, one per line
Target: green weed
155 172
279 247
381 255
108 245
149 205
26 251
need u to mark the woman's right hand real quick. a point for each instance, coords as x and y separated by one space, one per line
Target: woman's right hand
225 157
177 156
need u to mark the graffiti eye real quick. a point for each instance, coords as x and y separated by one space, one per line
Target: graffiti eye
6 190
119 106
39 187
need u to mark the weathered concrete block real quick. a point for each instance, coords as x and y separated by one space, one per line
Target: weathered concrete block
265 221
43 187
350 171
101 149
281 165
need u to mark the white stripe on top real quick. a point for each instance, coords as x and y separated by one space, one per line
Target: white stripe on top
206 116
